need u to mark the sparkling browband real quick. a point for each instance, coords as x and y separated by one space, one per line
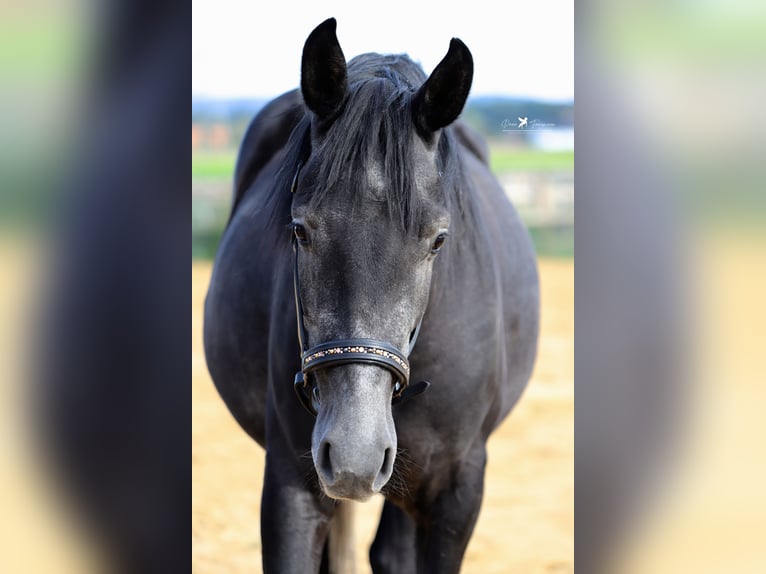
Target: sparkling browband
350 350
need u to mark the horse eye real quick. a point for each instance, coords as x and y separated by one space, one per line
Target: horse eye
438 242
300 233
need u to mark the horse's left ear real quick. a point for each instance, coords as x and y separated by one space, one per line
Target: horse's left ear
441 98
324 78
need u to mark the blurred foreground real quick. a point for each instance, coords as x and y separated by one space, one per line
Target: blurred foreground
670 275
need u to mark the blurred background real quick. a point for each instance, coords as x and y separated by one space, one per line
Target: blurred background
670 460
94 401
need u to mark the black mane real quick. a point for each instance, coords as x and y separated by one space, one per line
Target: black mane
375 124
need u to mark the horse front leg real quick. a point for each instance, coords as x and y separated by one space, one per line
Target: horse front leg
295 521
449 521
393 550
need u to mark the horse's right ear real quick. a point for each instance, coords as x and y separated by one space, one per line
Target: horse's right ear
324 80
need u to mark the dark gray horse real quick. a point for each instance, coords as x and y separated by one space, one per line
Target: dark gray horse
362 205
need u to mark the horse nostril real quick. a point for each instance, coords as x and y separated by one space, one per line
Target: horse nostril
325 463
388 462
386 469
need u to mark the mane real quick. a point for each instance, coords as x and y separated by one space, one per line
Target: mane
375 126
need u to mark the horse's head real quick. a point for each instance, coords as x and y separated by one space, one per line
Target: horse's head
370 214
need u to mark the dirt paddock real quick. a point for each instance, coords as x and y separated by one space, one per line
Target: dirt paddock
526 523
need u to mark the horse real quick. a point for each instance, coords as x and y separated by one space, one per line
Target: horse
370 246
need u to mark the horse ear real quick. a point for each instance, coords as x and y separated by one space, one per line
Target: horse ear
441 98
324 79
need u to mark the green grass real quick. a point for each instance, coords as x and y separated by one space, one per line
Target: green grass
213 165
718 34
220 165
554 241
44 48
504 159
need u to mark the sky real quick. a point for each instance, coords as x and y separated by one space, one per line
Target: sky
247 49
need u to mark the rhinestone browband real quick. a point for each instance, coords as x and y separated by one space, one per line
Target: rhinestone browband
369 351
351 350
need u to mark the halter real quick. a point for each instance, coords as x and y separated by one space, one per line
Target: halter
345 351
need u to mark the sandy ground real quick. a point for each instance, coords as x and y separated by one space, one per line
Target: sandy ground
526 523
